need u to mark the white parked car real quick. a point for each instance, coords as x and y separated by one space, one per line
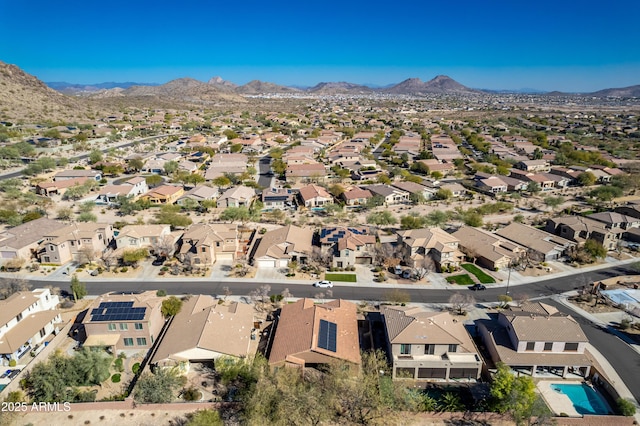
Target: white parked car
323 284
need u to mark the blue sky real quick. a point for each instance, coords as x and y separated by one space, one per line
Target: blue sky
549 45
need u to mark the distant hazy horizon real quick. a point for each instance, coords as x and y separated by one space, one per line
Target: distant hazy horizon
505 45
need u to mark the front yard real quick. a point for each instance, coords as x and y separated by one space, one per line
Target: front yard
463 279
348 278
483 277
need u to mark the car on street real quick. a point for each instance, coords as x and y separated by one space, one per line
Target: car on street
477 287
323 284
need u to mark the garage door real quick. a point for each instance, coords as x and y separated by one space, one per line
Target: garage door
266 264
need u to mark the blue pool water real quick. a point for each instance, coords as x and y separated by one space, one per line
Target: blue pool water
584 399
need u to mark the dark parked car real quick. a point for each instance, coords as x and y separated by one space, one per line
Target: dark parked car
477 287
159 261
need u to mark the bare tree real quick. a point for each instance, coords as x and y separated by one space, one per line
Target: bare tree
461 302
227 292
397 296
87 254
471 254
320 258
11 285
286 294
423 267
163 246
108 259
521 299
242 268
386 254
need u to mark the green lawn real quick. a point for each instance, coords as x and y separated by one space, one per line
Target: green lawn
482 277
464 279
349 278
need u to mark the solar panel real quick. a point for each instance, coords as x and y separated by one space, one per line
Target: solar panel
117 311
327 335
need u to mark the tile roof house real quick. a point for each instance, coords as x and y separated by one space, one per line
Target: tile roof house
309 171
630 209
541 246
27 320
415 188
199 194
538 340
74 242
226 163
205 330
580 229
22 241
204 244
237 196
124 321
429 346
315 196
277 199
275 249
616 221
73 174
308 334
144 236
164 194
442 247
355 197
348 246
533 165
491 184
60 187
490 250
390 194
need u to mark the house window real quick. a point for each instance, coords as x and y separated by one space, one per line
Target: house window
570 347
138 326
111 327
124 326
141 341
128 341
405 349
548 346
19 317
43 332
204 249
429 349
453 348
531 346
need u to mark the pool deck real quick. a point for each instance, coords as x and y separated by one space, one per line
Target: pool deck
559 402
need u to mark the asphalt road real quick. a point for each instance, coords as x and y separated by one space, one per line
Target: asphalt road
620 355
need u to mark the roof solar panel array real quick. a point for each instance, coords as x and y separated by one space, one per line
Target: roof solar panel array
328 335
117 311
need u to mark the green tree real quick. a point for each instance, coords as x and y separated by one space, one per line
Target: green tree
158 387
153 180
437 218
554 202
135 164
626 407
222 181
133 256
206 417
587 179
595 249
472 218
171 306
95 156
78 288
533 187
234 214
412 221
170 167
381 218
443 194
87 217
170 214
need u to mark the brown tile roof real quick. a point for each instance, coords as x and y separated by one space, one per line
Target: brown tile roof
298 328
312 191
25 330
279 243
28 233
203 323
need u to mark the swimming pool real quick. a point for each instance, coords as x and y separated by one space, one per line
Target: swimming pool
584 399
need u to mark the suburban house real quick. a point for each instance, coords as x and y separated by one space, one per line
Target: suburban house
580 229
277 199
434 243
22 241
415 189
198 194
75 241
220 164
429 346
348 246
616 221
205 330
489 250
74 174
308 334
132 237
314 196
275 249
296 172
630 209
238 196
109 193
164 194
538 340
533 165
541 246
456 189
390 194
27 321
204 244
490 184
58 188
123 321
356 197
